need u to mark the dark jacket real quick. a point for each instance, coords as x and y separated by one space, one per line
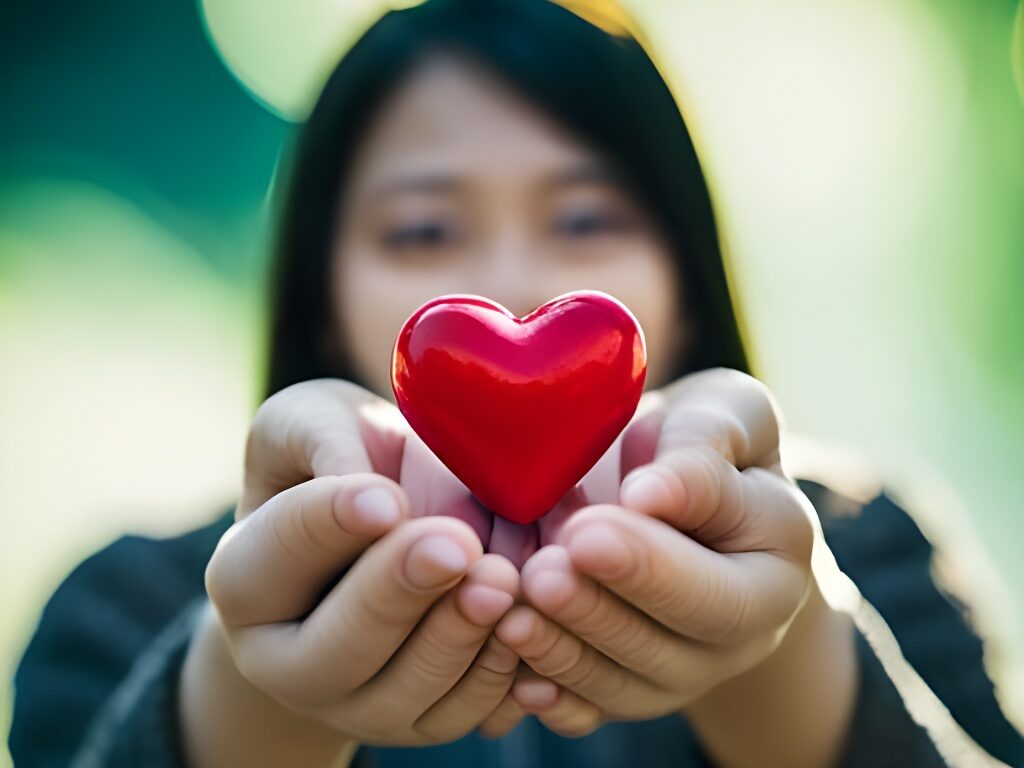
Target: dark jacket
97 685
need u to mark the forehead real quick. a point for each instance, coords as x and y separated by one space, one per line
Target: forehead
451 114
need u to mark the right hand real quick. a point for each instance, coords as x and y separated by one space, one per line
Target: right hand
399 649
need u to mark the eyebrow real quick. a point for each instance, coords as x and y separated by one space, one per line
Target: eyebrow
582 173
427 182
586 173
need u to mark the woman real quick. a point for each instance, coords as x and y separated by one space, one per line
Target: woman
508 148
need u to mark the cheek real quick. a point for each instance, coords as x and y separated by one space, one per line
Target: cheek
372 300
365 309
653 296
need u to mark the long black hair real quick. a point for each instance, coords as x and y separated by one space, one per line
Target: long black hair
602 87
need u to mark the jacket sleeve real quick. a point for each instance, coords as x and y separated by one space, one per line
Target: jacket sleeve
880 548
97 683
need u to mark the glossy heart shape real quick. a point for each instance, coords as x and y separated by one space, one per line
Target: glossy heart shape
519 409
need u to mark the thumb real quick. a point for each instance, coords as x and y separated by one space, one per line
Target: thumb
273 565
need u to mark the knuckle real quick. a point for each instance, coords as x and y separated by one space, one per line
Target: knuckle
751 385
273 675
264 416
684 604
251 668
569 664
434 660
220 596
787 528
804 531
727 604
654 587
541 642
224 587
709 465
375 616
701 468
267 420
585 608
293 443
488 682
628 634
742 382
334 452
496 658
291 534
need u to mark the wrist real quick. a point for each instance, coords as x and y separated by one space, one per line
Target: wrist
227 721
808 683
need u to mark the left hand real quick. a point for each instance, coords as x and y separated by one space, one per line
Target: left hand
641 607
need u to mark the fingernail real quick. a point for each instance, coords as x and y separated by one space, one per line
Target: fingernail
516 629
376 506
434 560
536 694
550 588
645 490
484 605
599 548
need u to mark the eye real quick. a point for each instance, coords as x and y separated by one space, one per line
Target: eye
423 234
589 222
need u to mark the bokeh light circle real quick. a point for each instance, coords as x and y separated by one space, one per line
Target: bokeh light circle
282 52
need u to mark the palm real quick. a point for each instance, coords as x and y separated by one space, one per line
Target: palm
434 490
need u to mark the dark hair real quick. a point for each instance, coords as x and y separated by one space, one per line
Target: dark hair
603 87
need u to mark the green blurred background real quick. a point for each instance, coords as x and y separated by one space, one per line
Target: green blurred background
867 162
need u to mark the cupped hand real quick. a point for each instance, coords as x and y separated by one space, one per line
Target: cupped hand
638 608
339 596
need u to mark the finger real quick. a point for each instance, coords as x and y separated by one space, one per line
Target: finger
514 541
481 690
614 627
549 527
728 409
731 412
274 564
560 710
563 658
444 644
690 589
363 620
698 491
504 718
438 491
639 440
318 428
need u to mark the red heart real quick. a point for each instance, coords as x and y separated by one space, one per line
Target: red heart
519 409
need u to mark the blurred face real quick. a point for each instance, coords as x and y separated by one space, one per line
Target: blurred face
462 186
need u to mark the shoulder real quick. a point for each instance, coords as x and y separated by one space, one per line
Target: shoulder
136 581
101 617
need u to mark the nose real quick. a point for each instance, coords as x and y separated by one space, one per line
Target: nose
508 273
